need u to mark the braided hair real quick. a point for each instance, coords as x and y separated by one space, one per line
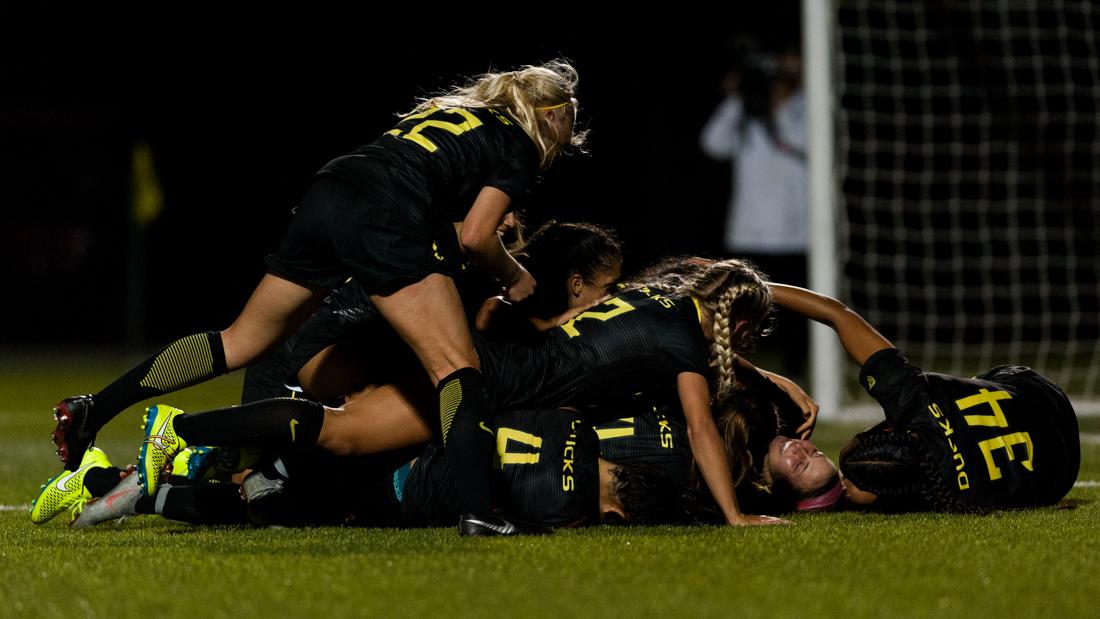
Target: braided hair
901 470
731 291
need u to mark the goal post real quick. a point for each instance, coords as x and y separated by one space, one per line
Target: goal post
825 353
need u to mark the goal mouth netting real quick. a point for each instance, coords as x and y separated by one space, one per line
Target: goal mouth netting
967 154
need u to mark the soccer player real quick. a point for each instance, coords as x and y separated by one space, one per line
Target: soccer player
346 344
385 216
1005 438
547 471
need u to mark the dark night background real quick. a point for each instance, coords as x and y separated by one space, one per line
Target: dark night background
239 118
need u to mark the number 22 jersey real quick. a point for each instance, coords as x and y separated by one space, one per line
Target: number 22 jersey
636 342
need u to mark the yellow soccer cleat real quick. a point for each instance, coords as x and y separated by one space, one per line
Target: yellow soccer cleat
193 462
160 446
67 489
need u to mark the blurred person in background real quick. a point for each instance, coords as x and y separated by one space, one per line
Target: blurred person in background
760 127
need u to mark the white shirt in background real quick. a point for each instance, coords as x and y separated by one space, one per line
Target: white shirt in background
768 210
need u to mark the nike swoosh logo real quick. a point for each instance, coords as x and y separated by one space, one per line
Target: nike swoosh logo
62 483
293 422
503 530
163 425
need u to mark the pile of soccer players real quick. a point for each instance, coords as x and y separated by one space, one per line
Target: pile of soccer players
405 368
555 468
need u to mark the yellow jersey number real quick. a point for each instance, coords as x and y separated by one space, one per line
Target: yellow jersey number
530 455
996 420
607 434
617 307
468 122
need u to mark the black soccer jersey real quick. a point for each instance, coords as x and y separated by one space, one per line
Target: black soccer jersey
1006 439
546 471
635 342
432 164
652 434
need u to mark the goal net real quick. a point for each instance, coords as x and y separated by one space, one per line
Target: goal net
967 154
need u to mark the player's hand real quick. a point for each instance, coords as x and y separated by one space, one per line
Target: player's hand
753 520
521 288
800 398
488 309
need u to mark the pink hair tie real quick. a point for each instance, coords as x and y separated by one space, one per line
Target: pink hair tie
822 501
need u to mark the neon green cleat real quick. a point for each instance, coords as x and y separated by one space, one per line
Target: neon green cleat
201 463
193 462
67 489
160 446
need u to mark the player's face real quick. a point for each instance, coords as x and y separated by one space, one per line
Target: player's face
799 463
562 120
588 292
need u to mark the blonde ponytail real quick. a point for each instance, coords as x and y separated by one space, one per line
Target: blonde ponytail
524 95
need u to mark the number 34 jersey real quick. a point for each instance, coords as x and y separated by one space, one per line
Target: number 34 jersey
1007 438
635 342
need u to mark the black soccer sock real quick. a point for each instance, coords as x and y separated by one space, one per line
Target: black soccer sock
185 362
99 480
197 504
277 422
147 504
463 406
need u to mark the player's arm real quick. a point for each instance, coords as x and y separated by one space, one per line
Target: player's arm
709 450
857 336
478 236
858 498
798 396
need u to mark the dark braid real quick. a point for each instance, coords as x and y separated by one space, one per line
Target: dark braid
901 470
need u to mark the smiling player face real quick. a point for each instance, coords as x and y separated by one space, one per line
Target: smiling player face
799 463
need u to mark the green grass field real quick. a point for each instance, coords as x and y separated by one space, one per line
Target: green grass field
1026 563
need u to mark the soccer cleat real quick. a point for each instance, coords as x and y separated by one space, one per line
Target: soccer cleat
269 503
118 504
72 435
159 447
66 490
199 463
193 462
260 485
496 524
